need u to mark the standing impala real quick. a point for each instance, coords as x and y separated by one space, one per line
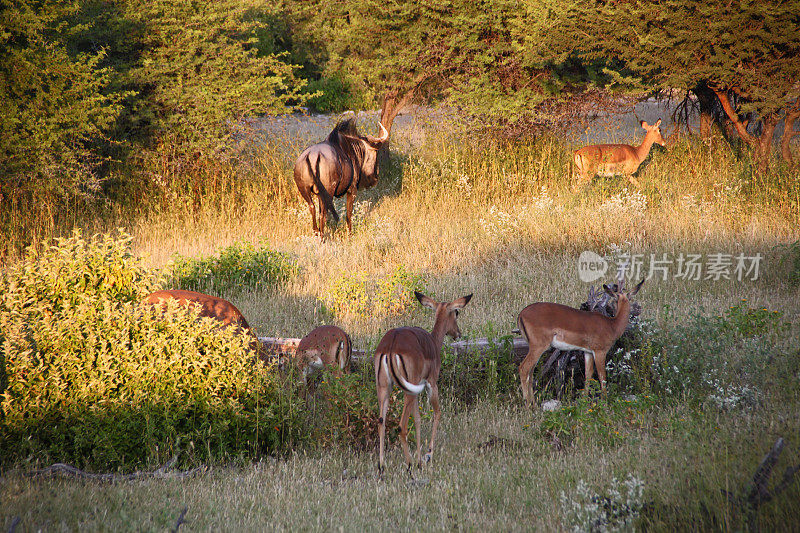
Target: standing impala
565 328
612 159
411 358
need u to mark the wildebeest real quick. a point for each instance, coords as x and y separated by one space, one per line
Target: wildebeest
212 307
341 164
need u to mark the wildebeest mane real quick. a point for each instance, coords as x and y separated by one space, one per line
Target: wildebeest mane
346 140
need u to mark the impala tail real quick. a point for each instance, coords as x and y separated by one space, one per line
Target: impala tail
393 367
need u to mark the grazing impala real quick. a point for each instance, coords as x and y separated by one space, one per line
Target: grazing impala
324 346
212 307
548 324
411 358
612 159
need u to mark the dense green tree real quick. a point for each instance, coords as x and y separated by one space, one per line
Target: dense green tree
466 52
199 73
746 53
56 108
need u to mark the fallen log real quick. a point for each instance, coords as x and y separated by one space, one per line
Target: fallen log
281 346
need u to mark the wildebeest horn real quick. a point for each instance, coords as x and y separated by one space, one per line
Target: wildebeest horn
384 135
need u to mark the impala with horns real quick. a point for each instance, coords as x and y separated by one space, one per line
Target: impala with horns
546 325
411 358
613 159
324 346
211 307
342 164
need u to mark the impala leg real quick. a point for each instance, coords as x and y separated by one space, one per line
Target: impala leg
588 358
600 363
409 400
633 180
434 399
535 351
351 198
383 404
418 430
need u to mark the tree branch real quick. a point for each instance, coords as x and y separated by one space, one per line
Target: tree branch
741 128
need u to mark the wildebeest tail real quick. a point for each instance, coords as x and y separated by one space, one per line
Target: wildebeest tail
322 192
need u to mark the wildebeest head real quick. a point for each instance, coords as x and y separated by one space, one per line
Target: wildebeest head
362 150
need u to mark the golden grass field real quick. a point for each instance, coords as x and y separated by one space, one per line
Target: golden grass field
502 221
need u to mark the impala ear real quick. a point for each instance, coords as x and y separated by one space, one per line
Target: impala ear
424 300
644 124
461 302
636 289
657 124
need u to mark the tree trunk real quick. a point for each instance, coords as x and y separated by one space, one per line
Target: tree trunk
705 99
393 103
761 146
792 114
764 146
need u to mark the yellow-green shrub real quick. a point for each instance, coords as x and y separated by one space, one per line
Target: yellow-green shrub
356 296
94 377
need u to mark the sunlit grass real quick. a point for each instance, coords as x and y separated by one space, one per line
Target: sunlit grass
500 220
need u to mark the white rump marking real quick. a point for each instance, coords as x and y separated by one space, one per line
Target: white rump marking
409 387
560 345
385 365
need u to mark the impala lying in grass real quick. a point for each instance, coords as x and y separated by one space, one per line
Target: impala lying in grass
411 358
211 307
546 325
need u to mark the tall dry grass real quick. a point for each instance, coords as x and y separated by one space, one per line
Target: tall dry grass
500 220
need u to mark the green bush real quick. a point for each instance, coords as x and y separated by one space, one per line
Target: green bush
237 267
95 377
345 410
469 377
716 358
337 93
353 295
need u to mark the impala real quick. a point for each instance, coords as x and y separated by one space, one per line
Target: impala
324 346
212 307
411 358
612 159
546 325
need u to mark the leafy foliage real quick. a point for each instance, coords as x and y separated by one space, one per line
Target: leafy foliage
199 73
354 295
93 376
57 104
235 268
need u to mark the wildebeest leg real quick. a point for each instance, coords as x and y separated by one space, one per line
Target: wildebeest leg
322 217
351 198
313 216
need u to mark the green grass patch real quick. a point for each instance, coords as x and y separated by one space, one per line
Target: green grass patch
233 269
